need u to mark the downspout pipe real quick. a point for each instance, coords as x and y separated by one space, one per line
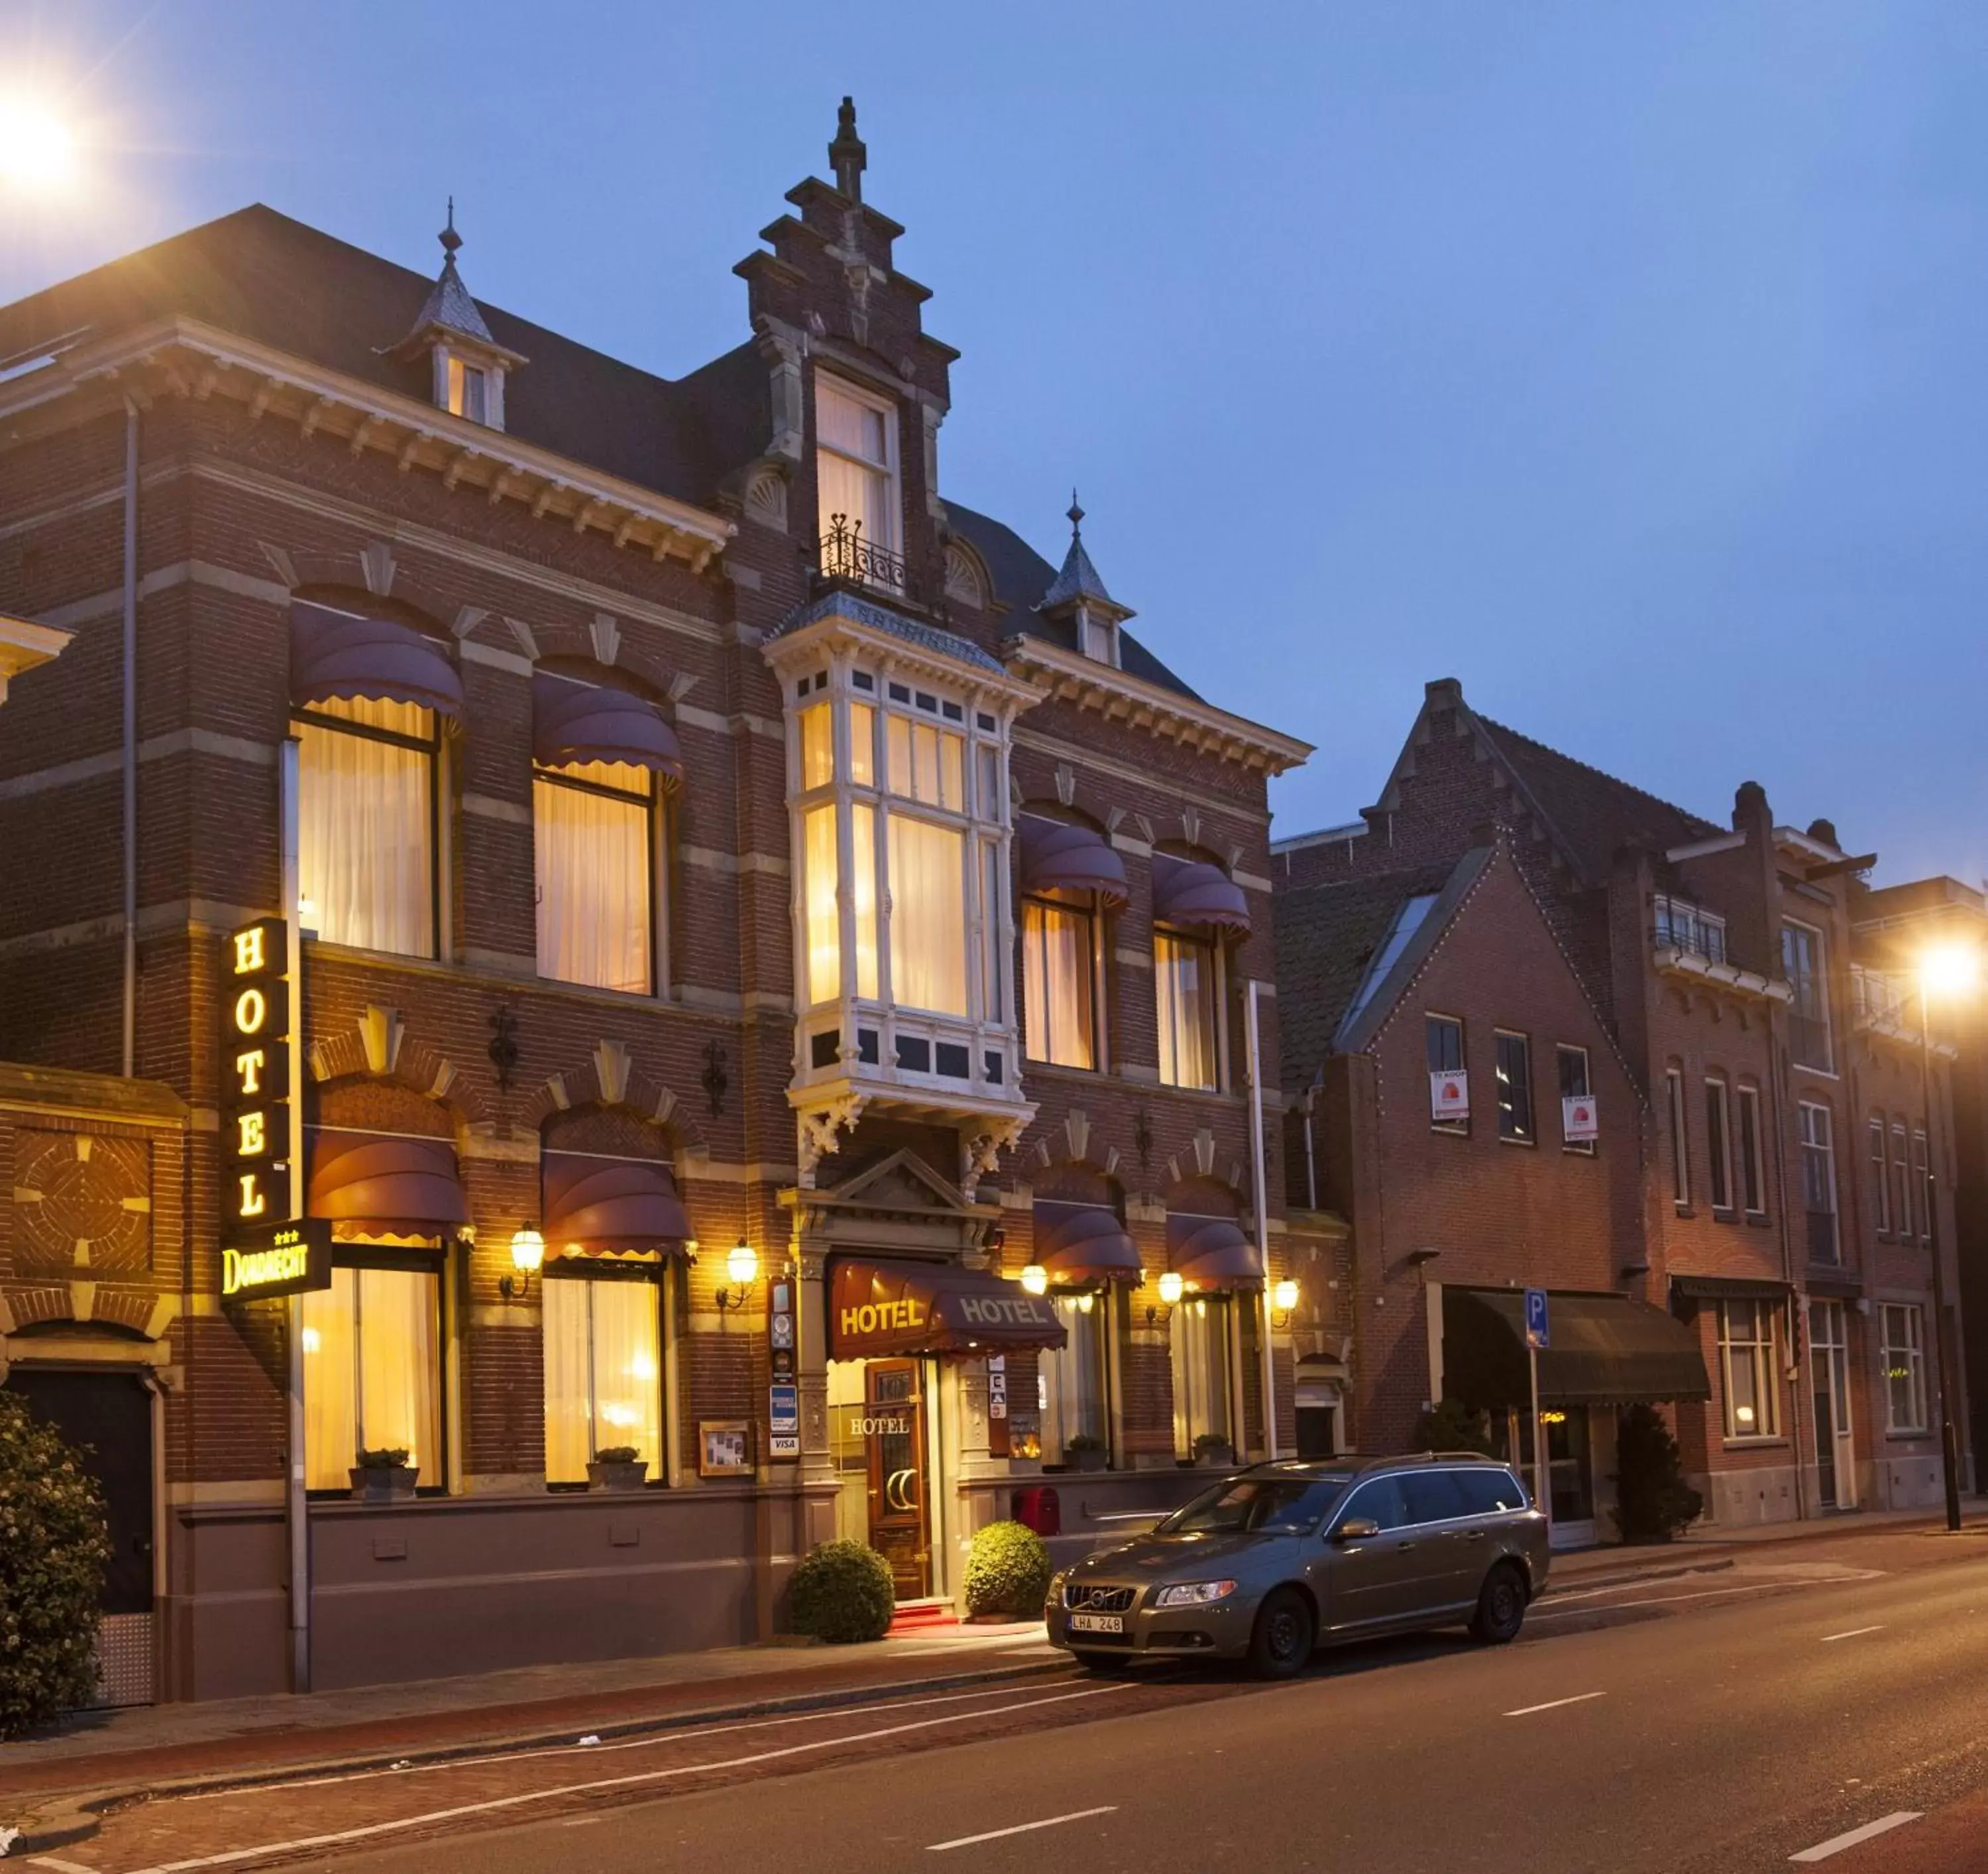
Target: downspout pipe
131 741
1262 1215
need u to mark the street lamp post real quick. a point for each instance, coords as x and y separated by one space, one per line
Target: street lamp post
1949 1455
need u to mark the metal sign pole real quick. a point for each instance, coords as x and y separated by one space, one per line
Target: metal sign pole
1542 1497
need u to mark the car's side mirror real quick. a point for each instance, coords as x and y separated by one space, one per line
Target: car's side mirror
1356 1529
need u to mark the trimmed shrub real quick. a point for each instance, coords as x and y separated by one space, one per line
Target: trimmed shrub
1653 1503
1452 1426
1007 1571
842 1592
53 1548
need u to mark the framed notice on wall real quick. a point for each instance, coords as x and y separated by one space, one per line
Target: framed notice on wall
1449 1093
723 1447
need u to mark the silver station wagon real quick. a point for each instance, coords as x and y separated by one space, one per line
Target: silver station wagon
1274 1560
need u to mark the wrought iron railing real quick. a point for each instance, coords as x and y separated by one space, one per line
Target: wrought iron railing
1705 941
842 554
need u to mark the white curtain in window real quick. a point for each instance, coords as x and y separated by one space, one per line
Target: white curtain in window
372 1373
1200 1339
928 916
863 848
824 934
595 857
604 1375
1071 1378
1184 983
852 465
367 857
1056 966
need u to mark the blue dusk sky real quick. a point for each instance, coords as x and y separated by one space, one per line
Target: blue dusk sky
1624 362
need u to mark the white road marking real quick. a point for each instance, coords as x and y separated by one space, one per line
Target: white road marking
1554 1704
1854 1632
63 1867
1837 1843
1705 1594
995 1835
648 1740
518 1799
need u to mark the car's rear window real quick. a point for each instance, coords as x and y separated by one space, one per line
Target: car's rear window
1266 1506
1487 1491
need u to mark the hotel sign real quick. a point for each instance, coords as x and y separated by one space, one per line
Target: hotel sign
888 1308
258 1179
285 1259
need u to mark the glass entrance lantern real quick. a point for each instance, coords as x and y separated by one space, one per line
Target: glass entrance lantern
897 738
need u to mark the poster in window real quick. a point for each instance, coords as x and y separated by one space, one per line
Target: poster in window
1449 1093
723 1447
1577 1117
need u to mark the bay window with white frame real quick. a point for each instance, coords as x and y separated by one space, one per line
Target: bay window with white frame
897 779
366 822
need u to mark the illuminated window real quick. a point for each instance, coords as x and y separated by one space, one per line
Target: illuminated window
1905 1368
365 823
1199 1333
1747 1361
468 391
856 471
603 1370
1183 984
373 1373
594 841
1070 1380
1059 973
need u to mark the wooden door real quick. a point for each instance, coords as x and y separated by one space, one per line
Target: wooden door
894 1433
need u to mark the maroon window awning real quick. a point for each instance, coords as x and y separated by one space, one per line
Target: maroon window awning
573 722
1084 1244
890 1308
606 1206
385 1183
335 657
1190 891
1211 1253
1060 856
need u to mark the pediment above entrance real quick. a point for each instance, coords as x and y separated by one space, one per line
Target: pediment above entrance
898 1201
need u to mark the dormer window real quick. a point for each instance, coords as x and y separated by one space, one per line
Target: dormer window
856 475
1101 636
468 390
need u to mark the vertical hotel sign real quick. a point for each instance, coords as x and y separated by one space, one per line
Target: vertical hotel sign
256 1048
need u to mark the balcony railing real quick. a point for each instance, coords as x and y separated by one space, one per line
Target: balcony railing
1822 1239
1691 939
843 555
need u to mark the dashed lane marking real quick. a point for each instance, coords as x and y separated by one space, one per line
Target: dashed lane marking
1854 1633
1554 1704
1837 1843
995 1835
1665 1600
371 1831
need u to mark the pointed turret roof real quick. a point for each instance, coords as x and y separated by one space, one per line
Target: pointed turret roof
1079 583
449 311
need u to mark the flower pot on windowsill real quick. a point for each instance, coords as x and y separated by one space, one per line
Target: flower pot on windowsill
616 1474
1215 1452
382 1477
1085 1457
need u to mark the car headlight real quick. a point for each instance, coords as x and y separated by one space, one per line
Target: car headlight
1195 1593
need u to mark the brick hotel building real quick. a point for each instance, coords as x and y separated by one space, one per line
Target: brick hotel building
737 911
1746 1236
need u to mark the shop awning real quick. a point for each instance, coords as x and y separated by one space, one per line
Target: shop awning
335 657
886 1308
605 1206
1190 891
587 722
1084 1243
1211 1253
1059 856
1729 1288
1607 1350
386 1184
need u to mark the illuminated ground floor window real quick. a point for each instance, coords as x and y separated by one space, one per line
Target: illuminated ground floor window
372 1361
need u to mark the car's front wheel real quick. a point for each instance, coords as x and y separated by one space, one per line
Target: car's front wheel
1282 1641
1501 1607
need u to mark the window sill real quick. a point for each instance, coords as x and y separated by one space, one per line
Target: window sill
1765 1443
1582 1150
1724 1213
1909 1438
1443 1131
1682 1210
1759 1219
1531 1145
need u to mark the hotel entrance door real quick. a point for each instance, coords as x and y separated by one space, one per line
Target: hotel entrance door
894 1437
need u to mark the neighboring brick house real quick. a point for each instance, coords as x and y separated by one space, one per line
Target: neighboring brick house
749 909
1719 961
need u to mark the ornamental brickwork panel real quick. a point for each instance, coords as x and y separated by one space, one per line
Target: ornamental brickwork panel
81 1201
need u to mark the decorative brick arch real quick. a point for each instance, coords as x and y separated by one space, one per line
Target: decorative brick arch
1076 1147
373 569
609 1077
602 642
377 1047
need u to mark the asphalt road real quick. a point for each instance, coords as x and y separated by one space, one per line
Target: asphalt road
1727 1732
1723 1720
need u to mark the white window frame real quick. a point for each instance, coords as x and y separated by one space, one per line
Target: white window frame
1817 1140
890 467
653 845
1719 1144
1902 1183
452 363
1215 951
1562 1050
1815 980
1922 1183
1753 1152
656 1283
1880 1166
1691 927
1759 1351
1456 1128
1530 1136
1903 1329
1093 915
1680 1141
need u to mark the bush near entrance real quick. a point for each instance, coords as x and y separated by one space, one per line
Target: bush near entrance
841 1593
53 1548
1653 1502
1007 1571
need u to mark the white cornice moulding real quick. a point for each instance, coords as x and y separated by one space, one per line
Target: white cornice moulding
495 465
1116 695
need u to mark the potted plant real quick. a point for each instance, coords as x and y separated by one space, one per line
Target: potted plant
1212 1448
1085 1451
383 1476
615 1467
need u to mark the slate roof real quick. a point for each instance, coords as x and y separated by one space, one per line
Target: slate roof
882 618
1594 814
1022 579
1325 936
